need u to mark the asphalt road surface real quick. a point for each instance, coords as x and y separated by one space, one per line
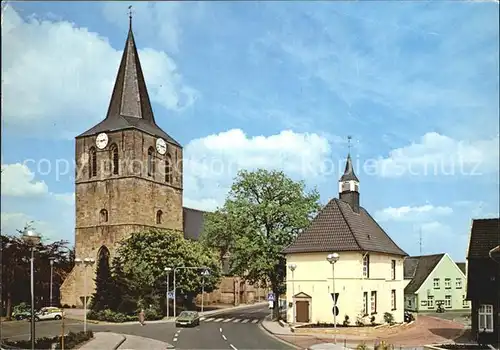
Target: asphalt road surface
232 330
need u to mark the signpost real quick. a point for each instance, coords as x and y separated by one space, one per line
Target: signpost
270 299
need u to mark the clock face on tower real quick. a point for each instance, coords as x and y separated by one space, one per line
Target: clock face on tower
161 146
101 141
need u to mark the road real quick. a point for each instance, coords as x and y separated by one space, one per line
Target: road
233 330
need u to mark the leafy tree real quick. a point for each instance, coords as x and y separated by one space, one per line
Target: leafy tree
15 270
219 231
264 213
145 255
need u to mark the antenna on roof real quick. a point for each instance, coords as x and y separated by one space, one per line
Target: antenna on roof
420 241
349 143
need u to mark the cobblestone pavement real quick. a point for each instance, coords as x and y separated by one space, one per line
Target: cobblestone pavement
426 330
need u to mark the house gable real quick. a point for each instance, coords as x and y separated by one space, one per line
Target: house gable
302 295
445 268
420 270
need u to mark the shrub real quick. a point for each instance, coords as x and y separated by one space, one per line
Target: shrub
383 346
346 320
110 316
372 320
389 318
152 314
71 340
362 347
22 307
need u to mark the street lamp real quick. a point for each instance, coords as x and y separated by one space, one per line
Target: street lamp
292 268
85 262
204 273
175 286
332 259
32 239
167 270
51 259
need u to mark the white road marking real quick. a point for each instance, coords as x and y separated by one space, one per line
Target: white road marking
228 319
175 339
209 319
202 318
220 330
245 320
237 320
255 321
233 347
223 336
218 320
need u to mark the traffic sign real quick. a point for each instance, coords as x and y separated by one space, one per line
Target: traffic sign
170 295
335 310
270 296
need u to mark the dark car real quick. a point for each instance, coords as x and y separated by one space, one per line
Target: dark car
188 318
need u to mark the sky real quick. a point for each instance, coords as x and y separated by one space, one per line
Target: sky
275 85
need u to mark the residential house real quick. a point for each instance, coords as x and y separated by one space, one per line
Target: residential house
434 279
367 279
483 279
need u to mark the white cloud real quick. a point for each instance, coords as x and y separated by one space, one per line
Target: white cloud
72 91
412 214
210 163
19 181
437 154
11 222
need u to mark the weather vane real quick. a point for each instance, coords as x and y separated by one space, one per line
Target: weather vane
130 14
349 137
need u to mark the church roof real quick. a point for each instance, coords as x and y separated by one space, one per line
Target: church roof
349 171
193 223
338 228
130 107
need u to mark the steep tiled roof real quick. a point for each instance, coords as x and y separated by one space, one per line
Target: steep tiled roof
130 107
484 236
418 268
338 228
461 266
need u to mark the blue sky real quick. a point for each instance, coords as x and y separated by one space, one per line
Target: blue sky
268 84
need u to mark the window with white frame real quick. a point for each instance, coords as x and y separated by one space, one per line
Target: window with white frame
393 299
365 303
366 266
436 283
447 301
485 315
458 283
373 301
393 269
430 301
465 302
447 283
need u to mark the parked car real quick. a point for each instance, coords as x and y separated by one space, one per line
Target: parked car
188 318
49 313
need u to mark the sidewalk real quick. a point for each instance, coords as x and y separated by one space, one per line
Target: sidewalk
77 314
114 341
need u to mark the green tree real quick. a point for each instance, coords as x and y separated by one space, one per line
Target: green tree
265 211
145 255
219 230
124 300
105 294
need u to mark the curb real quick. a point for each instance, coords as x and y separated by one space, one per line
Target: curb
171 319
121 342
272 335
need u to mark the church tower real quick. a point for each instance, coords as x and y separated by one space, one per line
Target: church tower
349 186
128 175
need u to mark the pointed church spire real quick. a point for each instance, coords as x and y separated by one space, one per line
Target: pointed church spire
130 97
349 170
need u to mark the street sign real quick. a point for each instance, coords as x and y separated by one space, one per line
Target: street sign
270 296
170 295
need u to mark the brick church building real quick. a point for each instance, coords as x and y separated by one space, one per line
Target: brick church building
129 179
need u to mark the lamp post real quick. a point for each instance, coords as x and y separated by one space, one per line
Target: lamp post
292 268
204 273
332 259
175 286
86 263
32 239
167 270
51 259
